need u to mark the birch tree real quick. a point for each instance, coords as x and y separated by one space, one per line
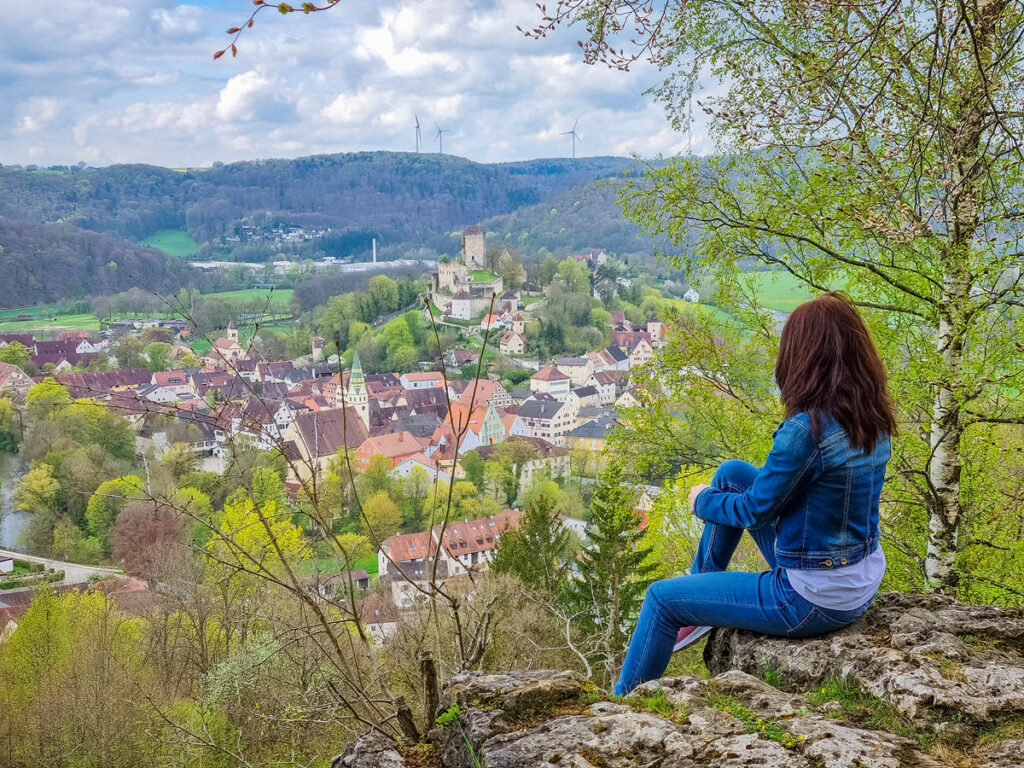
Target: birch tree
871 146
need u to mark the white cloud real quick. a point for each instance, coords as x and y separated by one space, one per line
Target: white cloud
249 96
180 20
137 83
38 112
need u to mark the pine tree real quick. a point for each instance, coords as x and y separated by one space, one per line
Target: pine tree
612 571
539 550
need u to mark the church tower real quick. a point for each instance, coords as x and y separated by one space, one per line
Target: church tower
232 331
356 395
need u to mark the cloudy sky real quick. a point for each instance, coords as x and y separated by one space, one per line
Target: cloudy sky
134 81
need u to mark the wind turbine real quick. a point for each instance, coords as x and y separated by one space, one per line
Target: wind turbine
575 137
440 137
419 136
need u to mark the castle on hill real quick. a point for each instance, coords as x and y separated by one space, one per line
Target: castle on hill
464 287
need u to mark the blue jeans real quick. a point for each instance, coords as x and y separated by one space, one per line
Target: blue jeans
710 595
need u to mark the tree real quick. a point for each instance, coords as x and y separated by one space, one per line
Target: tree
45 398
256 539
15 353
148 538
158 356
510 270
36 495
8 430
539 550
381 517
383 292
575 274
513 454
895 173
110 498
377 476
130 352
499 481
414 491
613 569
180 460
66 536
473 466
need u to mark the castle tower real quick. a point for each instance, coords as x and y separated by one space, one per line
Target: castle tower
232 331
473 250
356 395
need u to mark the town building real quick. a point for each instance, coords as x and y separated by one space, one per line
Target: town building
550 381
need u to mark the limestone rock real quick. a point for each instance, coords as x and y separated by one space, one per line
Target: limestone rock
928 656
680 691
371 750
953 670
513 691
760 697
611 741
1009 754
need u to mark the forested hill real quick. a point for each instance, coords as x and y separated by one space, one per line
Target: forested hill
403 199
581 217
40 263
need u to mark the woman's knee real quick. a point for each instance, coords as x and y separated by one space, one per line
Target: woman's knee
656 593
734 475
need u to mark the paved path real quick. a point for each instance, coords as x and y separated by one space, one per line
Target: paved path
73 572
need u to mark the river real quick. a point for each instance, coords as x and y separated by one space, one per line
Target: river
11 521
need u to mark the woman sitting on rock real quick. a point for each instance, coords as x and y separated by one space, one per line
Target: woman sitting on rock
812 508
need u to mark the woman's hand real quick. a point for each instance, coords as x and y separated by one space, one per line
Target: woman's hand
693 495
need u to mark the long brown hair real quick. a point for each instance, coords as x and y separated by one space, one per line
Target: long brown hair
829 365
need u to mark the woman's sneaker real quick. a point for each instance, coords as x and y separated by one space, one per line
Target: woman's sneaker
688 636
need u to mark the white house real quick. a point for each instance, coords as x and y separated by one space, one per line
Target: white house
641 353
405 467
550 381
428 380
462 306
578 369
512 343
604 383
577 526
547 419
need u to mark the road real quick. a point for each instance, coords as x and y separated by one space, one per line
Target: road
73 572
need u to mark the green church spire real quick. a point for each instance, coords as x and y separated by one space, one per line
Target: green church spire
356 381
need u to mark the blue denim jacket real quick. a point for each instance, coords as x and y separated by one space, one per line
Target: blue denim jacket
820 494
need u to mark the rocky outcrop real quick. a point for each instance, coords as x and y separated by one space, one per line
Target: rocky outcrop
934 659
883 693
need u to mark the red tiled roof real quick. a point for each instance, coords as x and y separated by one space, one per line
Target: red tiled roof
549 373
394 445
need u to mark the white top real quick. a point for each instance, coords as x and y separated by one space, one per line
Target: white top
843 588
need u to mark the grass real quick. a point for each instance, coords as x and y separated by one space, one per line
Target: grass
720 314
658 703
279 297
778 290
329 565
174 242
86 322
869 711
773 677
768 729
40 310
482 276
528 300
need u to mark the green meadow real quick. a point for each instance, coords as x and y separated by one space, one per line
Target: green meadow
174 242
